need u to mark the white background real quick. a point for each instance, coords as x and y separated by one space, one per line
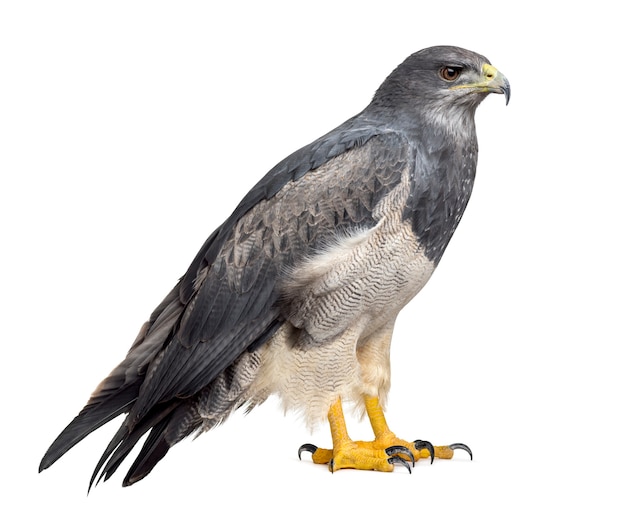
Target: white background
130 130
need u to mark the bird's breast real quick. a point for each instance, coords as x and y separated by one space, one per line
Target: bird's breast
363 279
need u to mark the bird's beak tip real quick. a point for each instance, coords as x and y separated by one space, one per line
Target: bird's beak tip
507 93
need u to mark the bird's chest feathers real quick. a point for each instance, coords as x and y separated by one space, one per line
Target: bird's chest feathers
363 279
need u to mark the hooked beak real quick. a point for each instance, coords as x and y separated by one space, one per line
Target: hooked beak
492 82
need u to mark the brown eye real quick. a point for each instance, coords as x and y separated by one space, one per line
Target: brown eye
450 73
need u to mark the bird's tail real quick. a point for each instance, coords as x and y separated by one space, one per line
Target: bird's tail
117 393
169 421
167 424
108 402
92 417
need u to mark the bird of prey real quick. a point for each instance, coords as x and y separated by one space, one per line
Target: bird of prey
297 292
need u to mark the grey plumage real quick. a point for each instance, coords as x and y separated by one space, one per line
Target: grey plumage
308 272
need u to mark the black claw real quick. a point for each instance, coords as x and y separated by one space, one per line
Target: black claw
308 447
461 446
331 465
421 445
399 460
395 450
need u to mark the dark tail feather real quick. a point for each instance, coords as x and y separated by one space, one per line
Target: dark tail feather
115 442
92 416
167 424
153 450
123 442
181 421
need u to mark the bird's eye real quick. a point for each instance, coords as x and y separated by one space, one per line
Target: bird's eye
450 73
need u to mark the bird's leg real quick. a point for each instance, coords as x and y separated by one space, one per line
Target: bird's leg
380 454
347 453
385 438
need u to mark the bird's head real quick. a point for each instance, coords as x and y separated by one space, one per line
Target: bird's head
440 79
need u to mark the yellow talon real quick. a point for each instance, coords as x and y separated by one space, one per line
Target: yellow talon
379 454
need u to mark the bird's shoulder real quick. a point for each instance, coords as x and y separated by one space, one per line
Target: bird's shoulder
359 154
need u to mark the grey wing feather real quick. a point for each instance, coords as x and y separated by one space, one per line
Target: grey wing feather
218 323
229 299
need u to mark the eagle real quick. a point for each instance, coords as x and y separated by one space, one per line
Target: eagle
296 293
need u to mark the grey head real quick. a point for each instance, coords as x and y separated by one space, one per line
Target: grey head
440 80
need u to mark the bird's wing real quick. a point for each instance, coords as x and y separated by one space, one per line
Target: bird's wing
228 300
231 293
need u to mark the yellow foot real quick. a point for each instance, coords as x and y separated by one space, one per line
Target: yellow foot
380 454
